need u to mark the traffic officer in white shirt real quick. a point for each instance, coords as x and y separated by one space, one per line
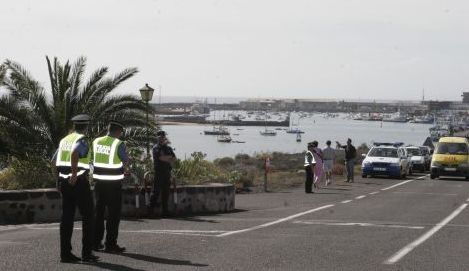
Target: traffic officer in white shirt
309 166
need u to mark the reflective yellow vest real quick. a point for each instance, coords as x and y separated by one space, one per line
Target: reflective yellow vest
309 159
107 165
64 157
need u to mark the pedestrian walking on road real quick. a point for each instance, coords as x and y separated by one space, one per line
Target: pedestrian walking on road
309 168
329 159
350 155
319 167
110 161
72 163
163 160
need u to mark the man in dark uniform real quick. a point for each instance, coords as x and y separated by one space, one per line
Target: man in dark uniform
350 154
72 165
309 166
163 160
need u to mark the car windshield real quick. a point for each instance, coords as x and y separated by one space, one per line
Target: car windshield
424 151
451 148
414 152
383 152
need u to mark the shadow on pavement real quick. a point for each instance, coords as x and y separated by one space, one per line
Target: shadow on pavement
153 259
195 219
200 217
112 266
327 193
449 179
341 189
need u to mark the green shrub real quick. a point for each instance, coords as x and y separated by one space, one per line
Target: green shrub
225 162
32 172
196 170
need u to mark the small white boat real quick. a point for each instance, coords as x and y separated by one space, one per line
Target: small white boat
224 138
268 132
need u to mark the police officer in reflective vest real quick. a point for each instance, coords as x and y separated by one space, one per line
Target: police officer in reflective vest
72 165
309 166
109 163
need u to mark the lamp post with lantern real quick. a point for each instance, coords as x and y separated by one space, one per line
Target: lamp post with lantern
146 93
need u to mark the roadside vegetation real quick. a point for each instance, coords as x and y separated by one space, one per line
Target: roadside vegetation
34 118
247 172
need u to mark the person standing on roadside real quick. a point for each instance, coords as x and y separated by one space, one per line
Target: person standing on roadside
309 168
163 161
110 161
319 167
329 159
72 163
350 154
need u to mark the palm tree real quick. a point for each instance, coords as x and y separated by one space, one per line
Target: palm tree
33 119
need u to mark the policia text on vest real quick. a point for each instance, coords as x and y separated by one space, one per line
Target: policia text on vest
109 162
72 165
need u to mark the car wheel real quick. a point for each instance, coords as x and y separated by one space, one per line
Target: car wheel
433 176
364 176
467 178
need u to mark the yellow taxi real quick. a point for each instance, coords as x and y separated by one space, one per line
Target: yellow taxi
450 158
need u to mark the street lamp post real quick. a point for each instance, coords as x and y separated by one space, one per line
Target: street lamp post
147 94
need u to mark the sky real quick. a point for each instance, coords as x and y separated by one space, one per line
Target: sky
334 49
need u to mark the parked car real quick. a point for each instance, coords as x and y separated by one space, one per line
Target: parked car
451 158
417 158
386 159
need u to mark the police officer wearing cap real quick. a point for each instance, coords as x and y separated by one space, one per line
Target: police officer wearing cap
72 165
163 160
309 166
110 162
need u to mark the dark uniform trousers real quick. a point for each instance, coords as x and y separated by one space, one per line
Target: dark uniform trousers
163 185
75 196
108 195
309 179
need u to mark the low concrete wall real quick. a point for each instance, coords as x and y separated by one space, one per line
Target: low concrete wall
45 205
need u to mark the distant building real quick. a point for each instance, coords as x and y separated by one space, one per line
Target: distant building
465 97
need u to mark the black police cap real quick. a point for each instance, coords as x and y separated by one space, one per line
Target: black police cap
116 123
81 119
161 133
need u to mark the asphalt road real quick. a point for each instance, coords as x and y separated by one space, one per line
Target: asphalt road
372 224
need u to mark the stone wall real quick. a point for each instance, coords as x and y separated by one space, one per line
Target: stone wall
45 205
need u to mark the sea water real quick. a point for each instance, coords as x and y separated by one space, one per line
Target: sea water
189 138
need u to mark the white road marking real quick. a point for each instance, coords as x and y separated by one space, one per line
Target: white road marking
9 228
360 224
418 193
407 249
12 243
373 193
396 185
346 201
175 232
276 221
360 197
22 226
404 182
